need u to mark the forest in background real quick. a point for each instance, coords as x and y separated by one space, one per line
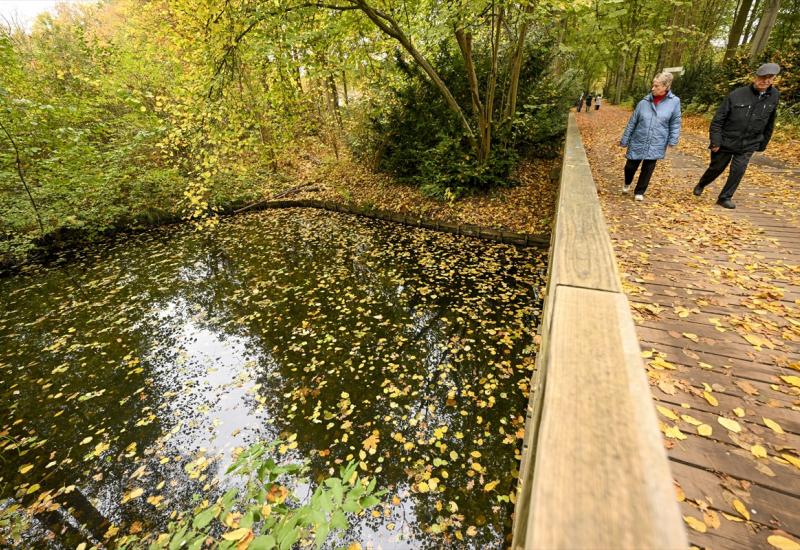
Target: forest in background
128 112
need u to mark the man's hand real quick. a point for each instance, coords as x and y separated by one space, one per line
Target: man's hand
715 149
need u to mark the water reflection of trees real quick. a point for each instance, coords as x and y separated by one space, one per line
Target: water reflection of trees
326 306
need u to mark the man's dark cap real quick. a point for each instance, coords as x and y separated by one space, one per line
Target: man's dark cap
768 68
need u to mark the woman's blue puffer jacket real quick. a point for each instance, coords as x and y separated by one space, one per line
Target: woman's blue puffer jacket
652 127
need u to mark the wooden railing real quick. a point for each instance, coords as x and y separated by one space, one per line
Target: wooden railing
594 471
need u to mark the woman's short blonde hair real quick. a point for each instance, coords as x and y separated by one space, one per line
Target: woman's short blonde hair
664 78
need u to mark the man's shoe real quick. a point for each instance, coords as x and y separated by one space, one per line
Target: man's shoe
638 197
626 188
726 203
698 190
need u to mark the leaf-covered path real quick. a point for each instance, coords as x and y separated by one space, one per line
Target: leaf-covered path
715 295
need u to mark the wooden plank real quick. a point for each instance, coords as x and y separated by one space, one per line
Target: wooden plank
599 454
767 507
718 457
582 252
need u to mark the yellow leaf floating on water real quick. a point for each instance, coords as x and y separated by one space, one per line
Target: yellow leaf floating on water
134 493
666 412
729 424
741 508
782 543
25 469
491 485
705 430
354 546
237 535
793 380
772 425
695 524
758 451
711 399
472 531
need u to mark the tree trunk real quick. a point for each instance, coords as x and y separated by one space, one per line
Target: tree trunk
344 85
464 40
516 63
764 29
747 34
618 83
389 26
736 29
334 91
635 66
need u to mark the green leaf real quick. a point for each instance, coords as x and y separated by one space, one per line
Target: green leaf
369 501
204 518
339 520
262 542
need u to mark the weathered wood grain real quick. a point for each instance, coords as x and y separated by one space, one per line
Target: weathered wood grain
594 473
601 477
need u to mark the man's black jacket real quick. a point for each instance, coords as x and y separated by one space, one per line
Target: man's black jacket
745 120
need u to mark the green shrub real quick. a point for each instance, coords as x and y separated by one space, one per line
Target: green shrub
407 129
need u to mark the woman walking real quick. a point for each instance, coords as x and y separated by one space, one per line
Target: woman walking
597 102
654 124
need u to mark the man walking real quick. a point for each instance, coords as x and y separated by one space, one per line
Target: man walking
742 125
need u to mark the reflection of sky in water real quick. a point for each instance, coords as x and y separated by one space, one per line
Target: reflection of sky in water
210 385
207 345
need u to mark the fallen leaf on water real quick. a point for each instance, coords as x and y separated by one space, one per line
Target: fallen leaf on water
237 535
705 430
132 494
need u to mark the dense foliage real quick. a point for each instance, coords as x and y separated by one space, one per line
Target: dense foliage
620 46
412 134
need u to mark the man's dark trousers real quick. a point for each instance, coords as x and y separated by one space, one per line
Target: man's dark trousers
720 161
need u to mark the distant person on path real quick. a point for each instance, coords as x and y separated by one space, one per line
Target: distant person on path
742 125
580 103
597 102
588 101
654 124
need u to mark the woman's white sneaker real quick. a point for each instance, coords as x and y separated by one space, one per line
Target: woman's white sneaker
639 197
626 188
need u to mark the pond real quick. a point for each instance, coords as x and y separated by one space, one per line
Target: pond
130 372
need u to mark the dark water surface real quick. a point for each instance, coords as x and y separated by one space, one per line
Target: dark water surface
143 363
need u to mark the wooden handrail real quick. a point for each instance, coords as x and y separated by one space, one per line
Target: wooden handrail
594 471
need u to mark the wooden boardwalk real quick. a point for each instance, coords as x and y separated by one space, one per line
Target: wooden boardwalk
715 296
